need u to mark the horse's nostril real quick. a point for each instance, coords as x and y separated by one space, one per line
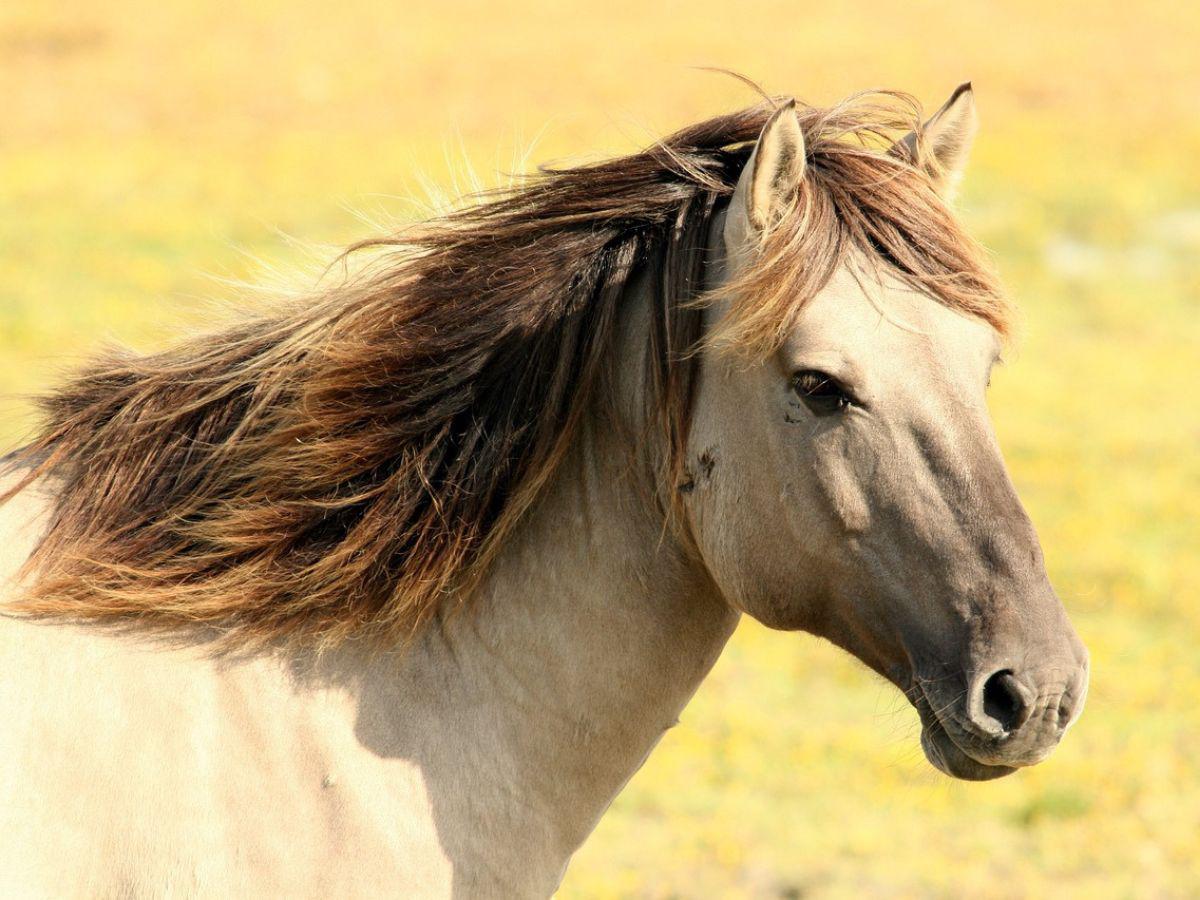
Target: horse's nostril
1004 702
1064 713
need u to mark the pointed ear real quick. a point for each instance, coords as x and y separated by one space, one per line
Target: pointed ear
944 143
773 172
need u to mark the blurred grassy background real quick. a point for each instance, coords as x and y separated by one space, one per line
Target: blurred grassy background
146 146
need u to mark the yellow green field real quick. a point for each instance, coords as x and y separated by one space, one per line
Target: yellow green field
149 151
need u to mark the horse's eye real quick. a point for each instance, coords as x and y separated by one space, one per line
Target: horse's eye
821 393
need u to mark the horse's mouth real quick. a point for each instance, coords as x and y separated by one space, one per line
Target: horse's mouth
947 756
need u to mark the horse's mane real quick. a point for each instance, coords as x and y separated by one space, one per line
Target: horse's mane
350 464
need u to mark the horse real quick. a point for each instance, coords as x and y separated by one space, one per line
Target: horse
391 589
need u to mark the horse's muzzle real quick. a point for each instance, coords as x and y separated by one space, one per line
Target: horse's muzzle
1005 719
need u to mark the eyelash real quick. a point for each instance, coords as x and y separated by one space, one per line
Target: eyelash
823 394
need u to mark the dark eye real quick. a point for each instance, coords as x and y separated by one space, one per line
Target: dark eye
822 394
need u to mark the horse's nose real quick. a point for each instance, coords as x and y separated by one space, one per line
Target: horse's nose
1001 702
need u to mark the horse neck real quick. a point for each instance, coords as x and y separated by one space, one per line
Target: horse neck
544 695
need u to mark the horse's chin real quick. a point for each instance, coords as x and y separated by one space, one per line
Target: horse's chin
946 756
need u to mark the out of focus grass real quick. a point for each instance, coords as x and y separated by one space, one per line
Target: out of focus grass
145 147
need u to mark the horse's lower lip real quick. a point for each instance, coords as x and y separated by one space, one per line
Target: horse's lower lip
946 756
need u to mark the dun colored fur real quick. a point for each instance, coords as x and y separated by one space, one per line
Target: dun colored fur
349 466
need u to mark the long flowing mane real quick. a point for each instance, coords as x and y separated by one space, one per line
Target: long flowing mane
349 465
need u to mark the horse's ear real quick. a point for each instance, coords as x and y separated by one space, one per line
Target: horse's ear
944 142
773 173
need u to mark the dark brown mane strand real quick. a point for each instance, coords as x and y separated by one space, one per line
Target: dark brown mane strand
349 465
